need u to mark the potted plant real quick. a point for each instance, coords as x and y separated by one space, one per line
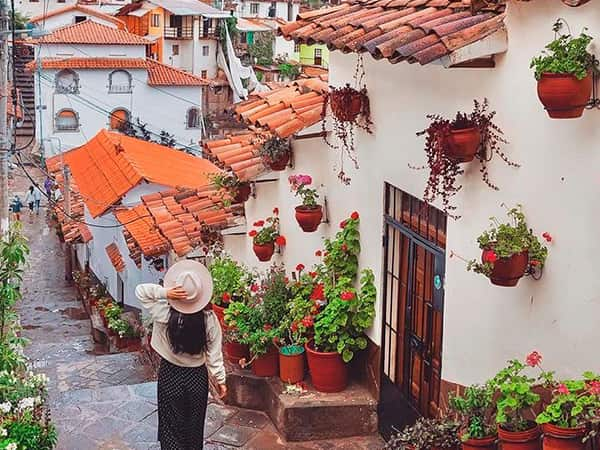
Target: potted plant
267 235
509 250
309 214
339 329
564 74
566 421
112 311
426 434
231 187
451 142
474 410
276 152
516 396
126 334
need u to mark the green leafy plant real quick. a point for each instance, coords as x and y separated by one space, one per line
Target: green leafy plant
289 70
504 240
426 434
123 328
112 311
268 231
274 149
474 410
565 55
575 403
299 186
297 326
227 185
261 49
230 280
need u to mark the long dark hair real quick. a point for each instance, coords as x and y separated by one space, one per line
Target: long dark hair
187 332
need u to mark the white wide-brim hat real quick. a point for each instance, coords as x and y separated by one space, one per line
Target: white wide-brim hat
195 278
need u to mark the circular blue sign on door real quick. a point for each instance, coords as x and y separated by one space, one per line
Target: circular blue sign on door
437 282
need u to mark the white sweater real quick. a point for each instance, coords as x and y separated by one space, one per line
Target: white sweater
154 298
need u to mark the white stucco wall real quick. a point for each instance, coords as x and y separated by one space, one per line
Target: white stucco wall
162 108
281 9
283 47
68 18
87 50
556 184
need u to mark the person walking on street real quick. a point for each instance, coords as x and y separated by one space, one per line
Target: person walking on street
15 207
37 199
30 201
48 184
188 338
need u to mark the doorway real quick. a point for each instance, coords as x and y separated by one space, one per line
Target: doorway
413 307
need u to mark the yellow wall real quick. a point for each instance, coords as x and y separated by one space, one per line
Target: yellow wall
307 52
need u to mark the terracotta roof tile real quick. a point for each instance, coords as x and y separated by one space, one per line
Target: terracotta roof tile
163 75
84 9
90 32
110 164
115 257
232 152
141 234
413 30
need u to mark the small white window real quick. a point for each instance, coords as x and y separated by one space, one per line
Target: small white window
254 8
205 50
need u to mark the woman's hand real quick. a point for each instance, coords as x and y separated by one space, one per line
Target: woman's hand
222 390
177 293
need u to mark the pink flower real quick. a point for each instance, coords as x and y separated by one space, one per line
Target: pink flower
594 387
300 267
489 256
354 215
347 296
562 389
281 241
533 359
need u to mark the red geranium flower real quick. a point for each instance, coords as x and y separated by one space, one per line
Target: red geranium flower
275 211
259 223
347 296
489 256
276 340
254 287
344 248
312 274
252 233
534 262
533 359
318 292
300 267
594 388
318 253
294 327
343 224
268 327
308 321
547 236
562 389
287 280
354 215
280 240
226 297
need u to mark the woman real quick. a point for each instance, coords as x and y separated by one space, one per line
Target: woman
15 207
30 200
188 338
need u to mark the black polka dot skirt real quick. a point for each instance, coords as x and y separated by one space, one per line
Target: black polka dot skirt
182 399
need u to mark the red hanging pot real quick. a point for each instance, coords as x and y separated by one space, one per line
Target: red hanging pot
488 443
508 271
291 364
563 95
309 218
463 144
558 438
346 103
264 251
520 440
266 365
242 193
280 163
328 370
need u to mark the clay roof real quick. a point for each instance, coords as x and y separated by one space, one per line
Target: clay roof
75 7
90 32
399 30
115 257
158 74
286 110
238 153
110 164
74 229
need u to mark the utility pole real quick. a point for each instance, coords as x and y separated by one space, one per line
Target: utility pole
68 248
4 136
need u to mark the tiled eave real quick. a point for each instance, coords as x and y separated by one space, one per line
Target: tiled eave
422 31
238 153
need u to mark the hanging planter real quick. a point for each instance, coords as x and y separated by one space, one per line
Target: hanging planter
309 214
350 109
275 153
328 370
266 237
242 192
231 188
449 143
509 251
564 74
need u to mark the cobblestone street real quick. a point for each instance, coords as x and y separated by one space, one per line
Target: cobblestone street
103 401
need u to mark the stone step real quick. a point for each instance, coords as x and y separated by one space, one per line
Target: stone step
310 416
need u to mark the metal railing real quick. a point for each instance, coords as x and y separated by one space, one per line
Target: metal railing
119 89
179 32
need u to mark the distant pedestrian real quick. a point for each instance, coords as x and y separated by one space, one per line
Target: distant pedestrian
15 207
37 199
29 200
48 184
187 336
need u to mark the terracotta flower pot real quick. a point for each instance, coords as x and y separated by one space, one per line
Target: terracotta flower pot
266 365
129 343
520 440
309 218
463 144
346 104
234 351
558 438
264 251
488 443
242 193
508 271
291 364
280 163
220 313
328 371
563 95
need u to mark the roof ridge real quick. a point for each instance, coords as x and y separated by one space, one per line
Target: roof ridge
80 7
56 38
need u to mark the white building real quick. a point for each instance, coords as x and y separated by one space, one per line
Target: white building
94 76
267 9
34 8
72 14
470 328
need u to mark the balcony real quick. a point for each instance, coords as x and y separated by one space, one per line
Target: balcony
179 32
119 89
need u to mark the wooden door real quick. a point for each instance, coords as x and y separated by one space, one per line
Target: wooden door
414 241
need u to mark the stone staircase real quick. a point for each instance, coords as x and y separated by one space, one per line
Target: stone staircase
25 84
